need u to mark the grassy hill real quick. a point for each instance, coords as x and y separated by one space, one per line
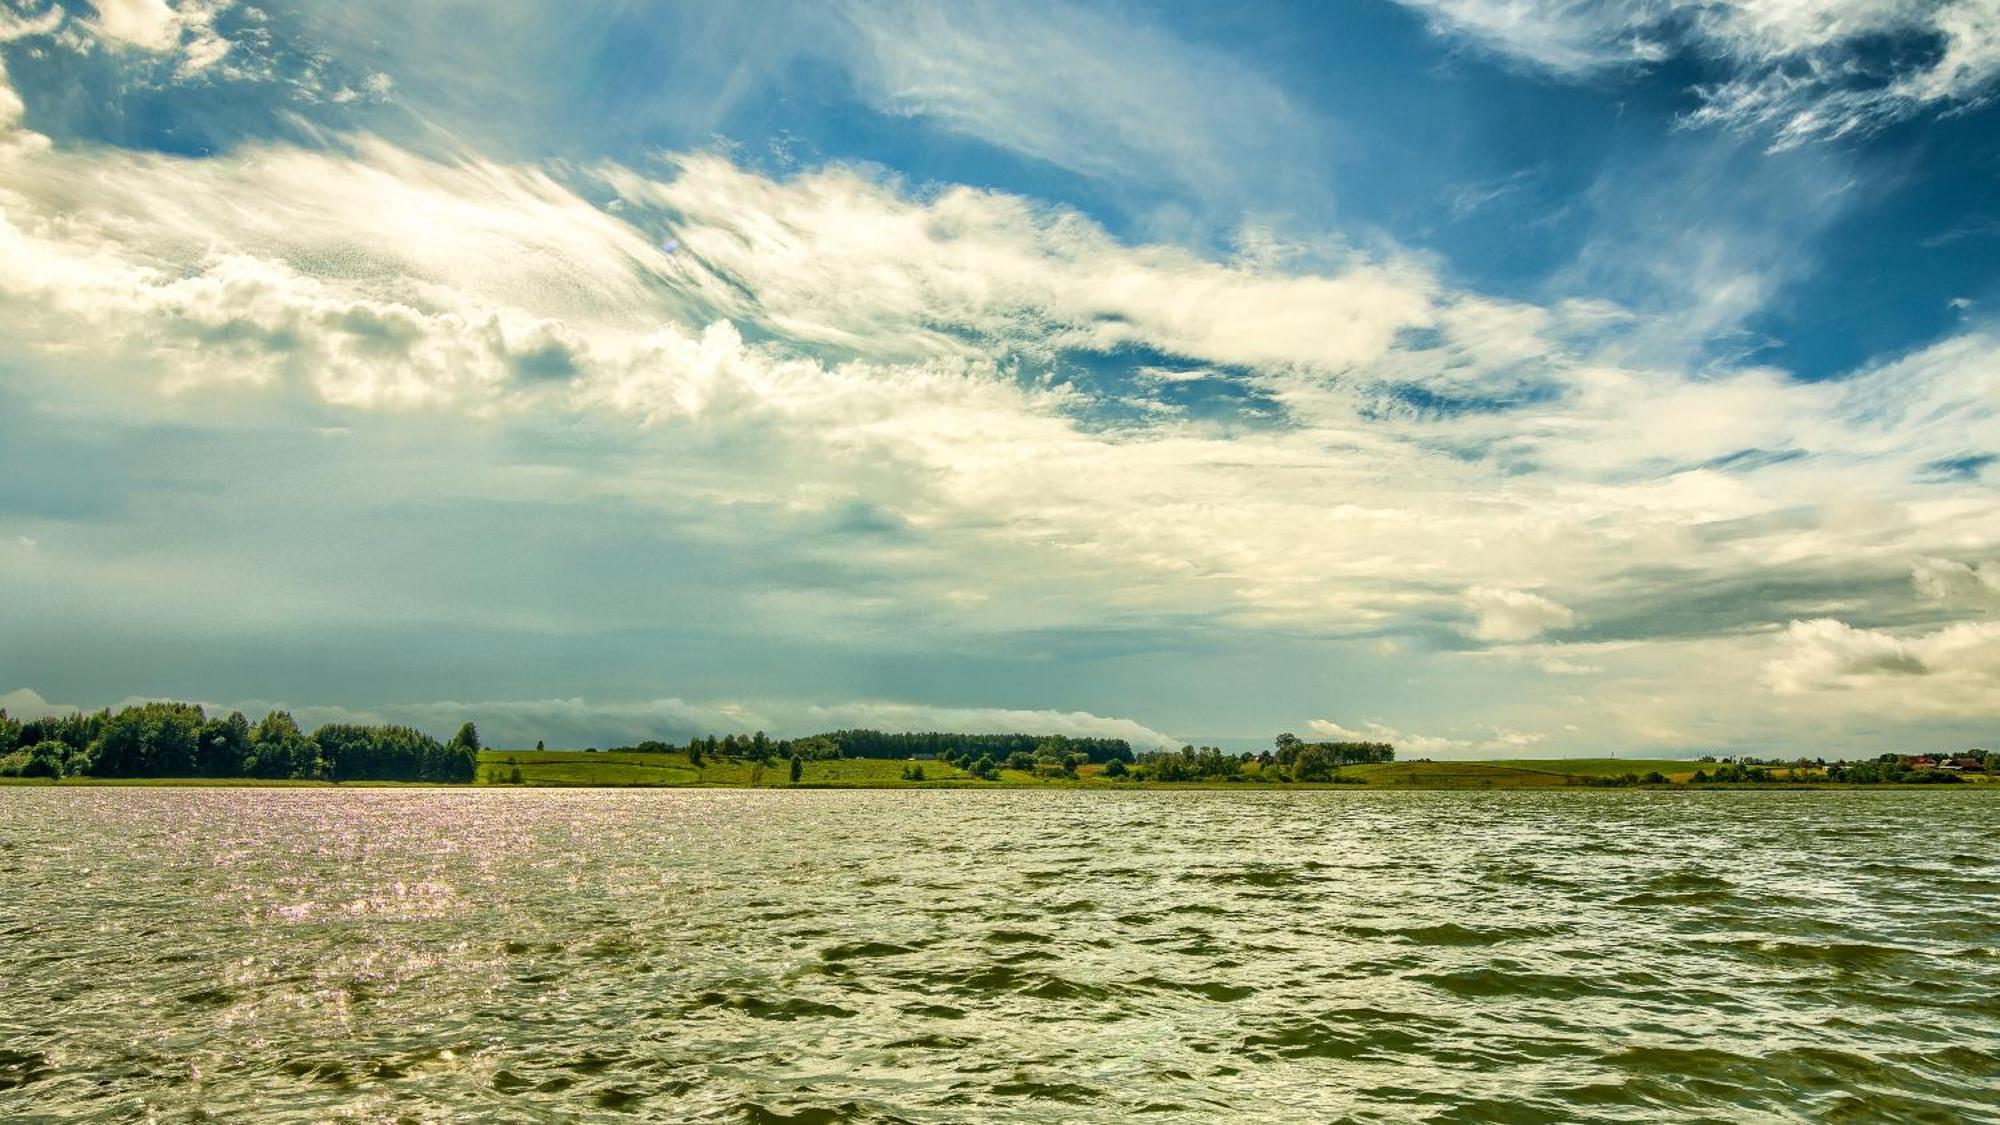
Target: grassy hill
1675 769
1458 775
577 767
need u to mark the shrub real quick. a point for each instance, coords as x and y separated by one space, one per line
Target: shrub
47 759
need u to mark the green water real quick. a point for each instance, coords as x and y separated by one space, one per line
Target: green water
1029 956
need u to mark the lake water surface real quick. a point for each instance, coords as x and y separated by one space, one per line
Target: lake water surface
998 956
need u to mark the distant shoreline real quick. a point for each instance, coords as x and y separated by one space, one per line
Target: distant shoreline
1050 785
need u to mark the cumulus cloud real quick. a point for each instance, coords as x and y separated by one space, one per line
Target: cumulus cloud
26 703
1825 654
185 28
379 280
1513 615
1948 580
1412 745
1416 456
1952 672
1802 70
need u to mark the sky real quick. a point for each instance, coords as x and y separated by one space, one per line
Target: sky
1501 378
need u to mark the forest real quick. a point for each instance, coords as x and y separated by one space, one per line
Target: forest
180 740
883 744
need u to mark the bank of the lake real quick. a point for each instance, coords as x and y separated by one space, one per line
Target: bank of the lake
672 769
623 769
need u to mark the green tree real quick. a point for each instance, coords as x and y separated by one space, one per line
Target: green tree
798 769
1315 763
278 748
46 759
149 740
225 743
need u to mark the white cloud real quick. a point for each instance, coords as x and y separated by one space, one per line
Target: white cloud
1948 580
1513 615
1109 96
834 335
1799 70
15 26
150 24
1825 654
185 27
1953 671
1410 745
377 280
25 703
837 258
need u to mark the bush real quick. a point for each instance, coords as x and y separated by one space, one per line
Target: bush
47 759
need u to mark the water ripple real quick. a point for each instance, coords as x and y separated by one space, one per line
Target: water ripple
305 955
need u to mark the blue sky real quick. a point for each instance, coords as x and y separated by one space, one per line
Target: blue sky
1524 377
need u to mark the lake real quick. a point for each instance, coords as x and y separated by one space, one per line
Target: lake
1615 955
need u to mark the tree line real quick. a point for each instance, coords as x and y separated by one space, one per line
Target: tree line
1289 760
999 748
180 740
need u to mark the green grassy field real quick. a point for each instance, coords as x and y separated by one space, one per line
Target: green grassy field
1675 769
1459 775
576 767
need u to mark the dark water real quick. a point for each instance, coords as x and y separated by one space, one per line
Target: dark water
831 956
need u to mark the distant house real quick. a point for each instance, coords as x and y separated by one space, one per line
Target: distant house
1923 762
1972 764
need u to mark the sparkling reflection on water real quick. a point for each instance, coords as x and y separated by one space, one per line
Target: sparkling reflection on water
951 956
